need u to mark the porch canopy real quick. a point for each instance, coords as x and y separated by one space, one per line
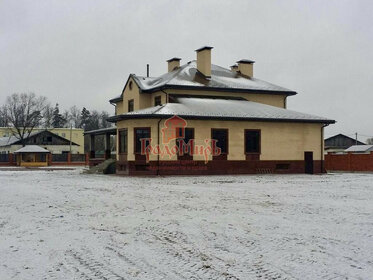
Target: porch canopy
31 149
32 155
106 132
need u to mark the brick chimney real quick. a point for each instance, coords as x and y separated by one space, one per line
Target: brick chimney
234 68
246 67
173 63
204 61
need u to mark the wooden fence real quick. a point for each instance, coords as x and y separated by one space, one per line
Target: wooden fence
349 162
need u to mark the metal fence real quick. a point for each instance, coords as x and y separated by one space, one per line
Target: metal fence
59 157
78 157
4 157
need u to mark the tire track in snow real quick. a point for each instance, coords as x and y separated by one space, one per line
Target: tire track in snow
138 264
186 258
87 267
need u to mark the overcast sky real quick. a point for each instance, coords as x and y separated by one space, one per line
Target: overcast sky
81 52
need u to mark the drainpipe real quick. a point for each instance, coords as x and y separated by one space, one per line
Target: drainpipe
158 146
322 146
166 95
159 122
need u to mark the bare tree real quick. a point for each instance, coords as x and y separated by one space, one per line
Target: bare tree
67 117
48 116
104 123
370 141
75 116
94 121
3 116
24 112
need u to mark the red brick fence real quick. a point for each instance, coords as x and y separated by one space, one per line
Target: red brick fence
53 159
349 162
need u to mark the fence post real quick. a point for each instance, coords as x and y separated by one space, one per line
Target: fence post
86 158
50 159
10 158
68 158
349 160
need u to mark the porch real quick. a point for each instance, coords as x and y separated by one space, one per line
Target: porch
96 158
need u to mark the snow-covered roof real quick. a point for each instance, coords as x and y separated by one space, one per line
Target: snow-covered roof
207 108
10 140
101 131
188 77
360 148
31 149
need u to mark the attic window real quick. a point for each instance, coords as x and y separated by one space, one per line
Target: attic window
130 105
130 85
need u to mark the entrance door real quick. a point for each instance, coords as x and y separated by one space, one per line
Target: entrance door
308 162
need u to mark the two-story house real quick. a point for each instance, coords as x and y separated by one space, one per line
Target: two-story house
200 118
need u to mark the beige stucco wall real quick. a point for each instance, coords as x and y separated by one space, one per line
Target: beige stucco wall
158 93
130 125
141 101
279 141
119 108
145 100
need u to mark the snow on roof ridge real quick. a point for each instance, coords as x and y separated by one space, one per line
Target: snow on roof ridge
187 75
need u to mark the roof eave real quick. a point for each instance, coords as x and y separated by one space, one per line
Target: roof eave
116 99
166 116
221 89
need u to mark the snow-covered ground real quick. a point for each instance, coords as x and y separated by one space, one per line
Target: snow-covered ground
66 225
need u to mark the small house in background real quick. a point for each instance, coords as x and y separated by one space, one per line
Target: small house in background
339 143
50 141
73 134
360 149
32 156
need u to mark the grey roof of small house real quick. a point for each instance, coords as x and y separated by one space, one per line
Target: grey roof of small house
31 149
223 109
101 131
360 148
12 140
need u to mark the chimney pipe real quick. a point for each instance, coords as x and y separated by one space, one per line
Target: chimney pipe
246 67
173 63
147 70
204 60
